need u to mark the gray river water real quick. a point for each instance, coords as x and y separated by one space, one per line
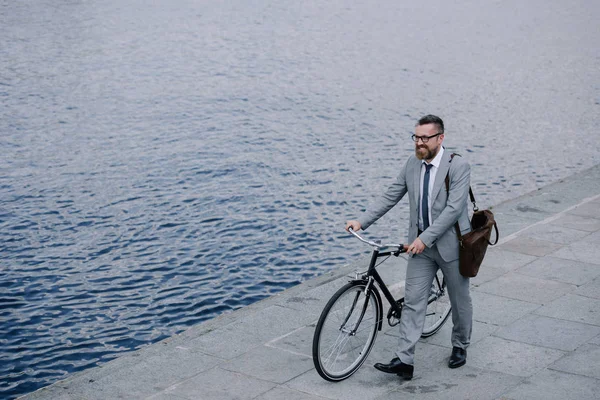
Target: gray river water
164 162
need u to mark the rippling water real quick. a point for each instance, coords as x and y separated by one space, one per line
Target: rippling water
164 163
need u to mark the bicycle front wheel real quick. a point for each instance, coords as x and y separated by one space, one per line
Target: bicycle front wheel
438 306
346 332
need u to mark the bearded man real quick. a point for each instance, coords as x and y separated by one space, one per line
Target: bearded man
434 210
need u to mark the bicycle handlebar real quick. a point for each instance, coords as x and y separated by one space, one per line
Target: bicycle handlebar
376 244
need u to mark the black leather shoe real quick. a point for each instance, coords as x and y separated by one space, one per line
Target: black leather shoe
458 357
397 367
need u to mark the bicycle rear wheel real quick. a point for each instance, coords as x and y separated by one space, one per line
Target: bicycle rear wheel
346 332
438 306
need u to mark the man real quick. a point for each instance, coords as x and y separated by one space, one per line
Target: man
433 241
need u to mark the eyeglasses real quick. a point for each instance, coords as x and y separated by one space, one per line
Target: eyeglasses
424 139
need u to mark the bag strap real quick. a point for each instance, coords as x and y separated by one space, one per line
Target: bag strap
456 226
471 195
497 235
475 208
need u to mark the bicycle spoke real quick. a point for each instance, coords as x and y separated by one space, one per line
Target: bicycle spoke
438 307
345 337
335 351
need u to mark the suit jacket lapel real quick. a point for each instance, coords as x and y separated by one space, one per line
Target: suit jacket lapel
440 175
417 182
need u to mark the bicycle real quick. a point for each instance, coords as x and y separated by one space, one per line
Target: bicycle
348 325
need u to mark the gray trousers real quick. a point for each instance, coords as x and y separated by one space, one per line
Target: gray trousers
419 276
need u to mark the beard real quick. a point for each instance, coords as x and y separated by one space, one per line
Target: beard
423 152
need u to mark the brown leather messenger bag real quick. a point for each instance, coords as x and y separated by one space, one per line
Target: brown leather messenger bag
474 244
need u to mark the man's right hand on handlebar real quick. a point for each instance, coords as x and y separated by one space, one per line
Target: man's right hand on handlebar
355 225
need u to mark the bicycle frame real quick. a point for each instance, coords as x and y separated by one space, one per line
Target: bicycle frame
373 275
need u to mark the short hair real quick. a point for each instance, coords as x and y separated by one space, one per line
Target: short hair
432 119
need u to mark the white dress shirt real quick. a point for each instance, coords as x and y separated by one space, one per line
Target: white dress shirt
432 172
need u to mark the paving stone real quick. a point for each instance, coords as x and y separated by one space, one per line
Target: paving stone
227 343
280 393
99 390
266 363
219 384
427 356
443 337
595 341
526 209
578 222
170 366
433 379
505 259
553 233
298 341
584 361
572 307
462 383
589 289
549 332
592 238
589 209
210 325
54 392
530 246
551 199
573 190
255 329
509 357
314 299
554 385
497 310
366 383
112 368
487 273
521 287
509 224
137 375
580 251
151 375
165 396
562 270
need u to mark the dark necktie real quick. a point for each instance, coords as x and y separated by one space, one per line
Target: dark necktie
425 205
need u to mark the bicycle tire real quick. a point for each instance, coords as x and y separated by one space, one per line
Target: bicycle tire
340 347
438 307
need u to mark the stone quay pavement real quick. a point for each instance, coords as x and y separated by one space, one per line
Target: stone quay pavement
536 331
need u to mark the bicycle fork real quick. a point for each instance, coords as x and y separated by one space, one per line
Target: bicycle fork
367 293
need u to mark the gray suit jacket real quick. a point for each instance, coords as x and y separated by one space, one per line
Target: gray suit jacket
446 208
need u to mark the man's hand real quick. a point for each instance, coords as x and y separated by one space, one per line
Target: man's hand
355 225
416 247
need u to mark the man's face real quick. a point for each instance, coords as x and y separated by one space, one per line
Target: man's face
427 151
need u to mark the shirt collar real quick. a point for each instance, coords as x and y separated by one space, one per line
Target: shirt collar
437 159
